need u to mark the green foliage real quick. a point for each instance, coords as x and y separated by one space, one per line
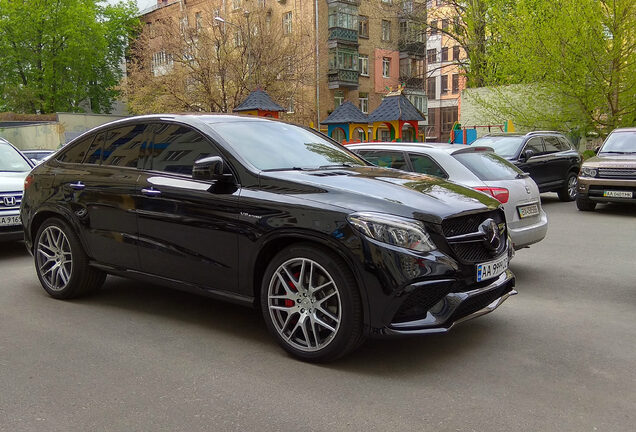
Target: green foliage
588 154
58 55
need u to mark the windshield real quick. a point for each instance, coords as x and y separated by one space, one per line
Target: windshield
505 146
488 166
280 146
620 143
11 160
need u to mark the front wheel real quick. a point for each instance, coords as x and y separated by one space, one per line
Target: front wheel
311 304
568 192
61 263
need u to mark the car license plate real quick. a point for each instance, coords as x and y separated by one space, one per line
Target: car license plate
10 220
618 194
528 210
491 269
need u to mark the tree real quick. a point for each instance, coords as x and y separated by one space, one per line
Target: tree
211 65
57 55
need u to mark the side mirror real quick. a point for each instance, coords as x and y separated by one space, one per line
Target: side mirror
527 154
596 149
209 168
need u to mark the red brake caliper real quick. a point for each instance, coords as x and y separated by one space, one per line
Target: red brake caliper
288 302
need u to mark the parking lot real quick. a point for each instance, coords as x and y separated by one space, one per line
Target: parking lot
560 356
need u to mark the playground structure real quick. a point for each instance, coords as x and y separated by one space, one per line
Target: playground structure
468 134
258 103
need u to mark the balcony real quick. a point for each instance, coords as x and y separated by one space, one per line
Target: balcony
412 48
344 35
348 2
342 78
415 83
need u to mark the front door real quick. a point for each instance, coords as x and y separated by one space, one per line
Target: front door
187 227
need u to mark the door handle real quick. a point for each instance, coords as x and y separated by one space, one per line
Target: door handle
151 192
77 185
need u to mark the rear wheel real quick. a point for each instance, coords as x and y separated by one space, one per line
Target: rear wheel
584 204
311 305
568 192
61 263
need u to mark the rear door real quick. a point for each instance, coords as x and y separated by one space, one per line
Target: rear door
557 160
536 166
188 228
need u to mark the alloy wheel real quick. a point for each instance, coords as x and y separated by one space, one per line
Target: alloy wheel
304 304
54 258
572 184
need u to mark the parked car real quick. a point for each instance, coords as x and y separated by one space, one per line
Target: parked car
610 176
14 167
476 167
549 158
268 214
37 156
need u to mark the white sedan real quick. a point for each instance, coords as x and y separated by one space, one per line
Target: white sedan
476 167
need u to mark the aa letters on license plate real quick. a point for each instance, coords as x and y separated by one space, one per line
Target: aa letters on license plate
618 194
492 269
528 210
10 220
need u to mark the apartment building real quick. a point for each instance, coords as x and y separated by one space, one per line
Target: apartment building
444 81
359 48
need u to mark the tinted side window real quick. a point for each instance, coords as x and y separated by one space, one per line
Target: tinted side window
175 148
94 154
564 144
122 145
386 159
77 151
426 165
551 144
534 144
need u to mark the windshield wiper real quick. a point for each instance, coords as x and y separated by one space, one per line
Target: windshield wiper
341 165
616 152
287 169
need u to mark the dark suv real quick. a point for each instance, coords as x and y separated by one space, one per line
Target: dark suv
272 215
549 158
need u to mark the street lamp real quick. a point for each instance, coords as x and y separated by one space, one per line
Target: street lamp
247 43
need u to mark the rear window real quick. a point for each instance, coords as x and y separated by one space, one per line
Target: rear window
488 166
11 160
506 146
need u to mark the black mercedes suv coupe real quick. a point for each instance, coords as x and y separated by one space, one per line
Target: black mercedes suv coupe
330 248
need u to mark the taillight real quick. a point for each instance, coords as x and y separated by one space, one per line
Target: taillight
28 181
500 194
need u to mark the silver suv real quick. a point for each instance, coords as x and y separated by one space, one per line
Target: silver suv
14 168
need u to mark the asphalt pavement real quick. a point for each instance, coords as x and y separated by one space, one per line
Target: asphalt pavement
560 356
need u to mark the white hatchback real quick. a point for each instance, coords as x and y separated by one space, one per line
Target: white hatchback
476 167
14 168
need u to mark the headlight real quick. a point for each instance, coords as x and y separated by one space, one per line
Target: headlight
393 230
588 172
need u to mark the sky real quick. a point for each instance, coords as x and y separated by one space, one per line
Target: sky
142 4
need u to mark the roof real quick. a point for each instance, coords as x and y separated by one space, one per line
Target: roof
438 147
396 107
258 100
346 113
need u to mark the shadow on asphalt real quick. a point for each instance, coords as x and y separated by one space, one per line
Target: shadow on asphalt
12 249
551 199
375 357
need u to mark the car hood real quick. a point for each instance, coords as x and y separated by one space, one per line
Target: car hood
12 181
382 190
611 161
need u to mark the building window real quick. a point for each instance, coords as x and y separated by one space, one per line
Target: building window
215 14
363 100
198 21
445 24
456 52
238 41
363 26
444 54
386 67
407 6
455 83
386 30
338 98
431 87
439 2
363 65
387 1
418 102
236 4
343 17
287 23
431 55
449 117
444 84
184 24
290 106
433 26
431 118
261 3
343 58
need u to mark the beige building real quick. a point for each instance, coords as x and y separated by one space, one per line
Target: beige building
358 48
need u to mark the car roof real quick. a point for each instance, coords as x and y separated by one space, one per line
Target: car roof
519 134
434 147
625 129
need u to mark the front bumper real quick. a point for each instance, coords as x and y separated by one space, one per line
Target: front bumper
592 188
457 307
11 232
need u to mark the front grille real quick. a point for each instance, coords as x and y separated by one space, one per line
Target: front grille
473 251
480 301
420 301
10 200
617 173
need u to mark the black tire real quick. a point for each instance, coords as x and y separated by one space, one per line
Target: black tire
568 191
321 264
584 204
65 282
